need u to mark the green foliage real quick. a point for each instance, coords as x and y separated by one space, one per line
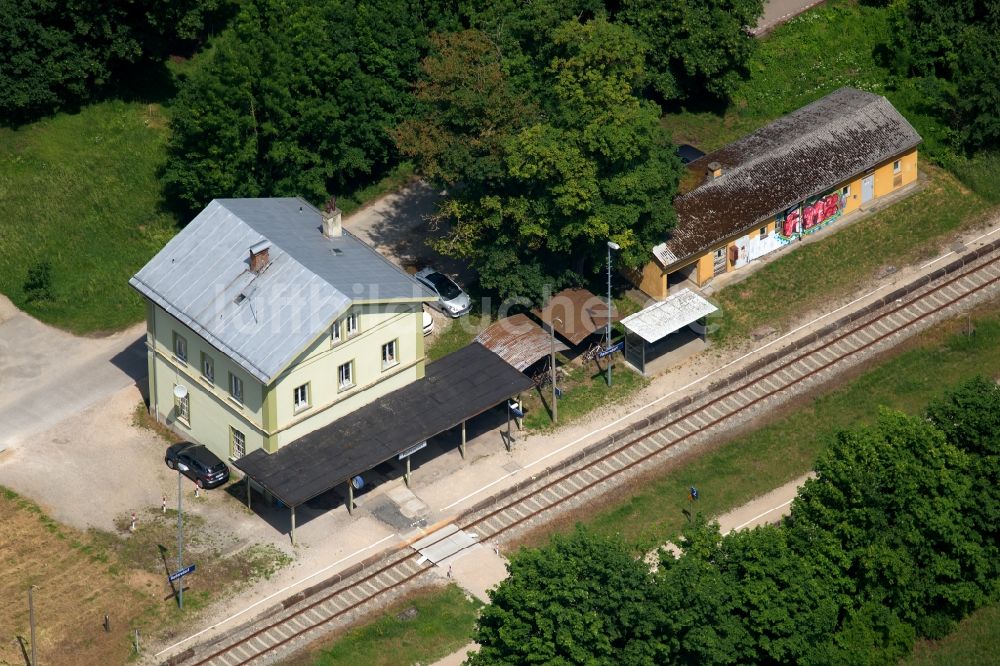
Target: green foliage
696 47
57 54
297 99
953 50
584 599
892 540
80 192
543 172
38 285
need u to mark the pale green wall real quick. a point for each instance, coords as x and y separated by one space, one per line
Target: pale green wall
267 418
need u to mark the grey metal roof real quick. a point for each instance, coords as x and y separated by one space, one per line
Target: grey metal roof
805 153
263 321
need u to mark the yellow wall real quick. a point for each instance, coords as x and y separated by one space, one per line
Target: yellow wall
653 280
885 179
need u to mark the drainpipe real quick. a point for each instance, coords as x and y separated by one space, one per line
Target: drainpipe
152 355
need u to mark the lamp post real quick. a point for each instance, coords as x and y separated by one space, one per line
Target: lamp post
611 246
181 467
552 353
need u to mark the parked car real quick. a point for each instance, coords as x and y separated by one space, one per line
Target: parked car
203 466
688 153
428 323
451 299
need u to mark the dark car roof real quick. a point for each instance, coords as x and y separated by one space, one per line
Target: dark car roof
688 153
197 452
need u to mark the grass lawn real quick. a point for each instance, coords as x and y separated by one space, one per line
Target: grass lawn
79 191
585 388
456 334
808 277
83 575
443 623
753 463
975 641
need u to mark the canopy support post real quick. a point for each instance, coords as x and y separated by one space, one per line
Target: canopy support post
461 447
293 525
406 477
350 497
248 493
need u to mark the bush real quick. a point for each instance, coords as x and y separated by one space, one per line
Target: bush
38 285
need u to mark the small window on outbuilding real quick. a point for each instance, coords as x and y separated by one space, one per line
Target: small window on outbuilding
897 166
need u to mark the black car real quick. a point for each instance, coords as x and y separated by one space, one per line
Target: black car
203 466
688 153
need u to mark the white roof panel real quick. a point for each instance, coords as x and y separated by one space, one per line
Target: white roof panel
671 314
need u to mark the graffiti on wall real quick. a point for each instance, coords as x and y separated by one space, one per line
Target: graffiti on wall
810 216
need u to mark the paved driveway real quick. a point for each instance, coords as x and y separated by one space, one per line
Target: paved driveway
47 375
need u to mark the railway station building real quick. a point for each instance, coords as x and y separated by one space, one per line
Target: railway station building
777 185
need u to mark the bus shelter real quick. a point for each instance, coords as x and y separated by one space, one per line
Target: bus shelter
664 327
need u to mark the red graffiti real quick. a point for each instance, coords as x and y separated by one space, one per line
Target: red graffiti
788 227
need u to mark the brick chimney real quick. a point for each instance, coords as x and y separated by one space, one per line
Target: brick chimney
714 171
331 219
259 256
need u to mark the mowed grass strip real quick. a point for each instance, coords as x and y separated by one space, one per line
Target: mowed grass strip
812 55
975 641
650 512
808 277
80 192
442 623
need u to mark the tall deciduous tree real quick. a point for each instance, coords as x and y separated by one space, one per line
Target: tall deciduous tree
297 100
954 49
697 47
58 53
543 173
583 599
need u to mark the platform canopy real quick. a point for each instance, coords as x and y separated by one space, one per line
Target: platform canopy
455 388
519 341
671 314
577 314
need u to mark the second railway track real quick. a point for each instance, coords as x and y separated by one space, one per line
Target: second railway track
973 277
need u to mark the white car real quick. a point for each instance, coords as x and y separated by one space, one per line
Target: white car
428 323
451 299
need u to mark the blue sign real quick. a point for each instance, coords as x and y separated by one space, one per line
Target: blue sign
608 351
358 482
558 392
180 573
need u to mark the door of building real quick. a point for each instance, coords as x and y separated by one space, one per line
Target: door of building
867 188
719 262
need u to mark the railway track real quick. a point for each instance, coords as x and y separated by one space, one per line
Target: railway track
795 371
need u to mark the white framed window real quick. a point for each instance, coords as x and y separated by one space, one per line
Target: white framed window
846 190
237 443
335 332
301 397
720 253
183 409
207 367
763 232
236 388
180 348
345 375
351 324
389 357
897 167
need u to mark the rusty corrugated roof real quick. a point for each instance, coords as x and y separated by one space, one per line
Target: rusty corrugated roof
518 340
578 313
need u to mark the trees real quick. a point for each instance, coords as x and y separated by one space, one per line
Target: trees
583 599
62 53
542 173
953 51
696 47
298 99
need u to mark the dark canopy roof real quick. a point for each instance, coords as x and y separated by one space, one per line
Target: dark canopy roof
803 154
455 388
